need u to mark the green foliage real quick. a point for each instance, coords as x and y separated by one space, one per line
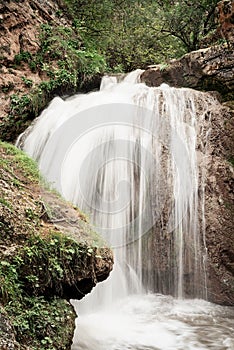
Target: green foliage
28 166
133 34
27 82
67 65
73 60
19 104
4 202
41 265
10 286
231 160
31 215
39 323
163 66
187 20
7 87
23 56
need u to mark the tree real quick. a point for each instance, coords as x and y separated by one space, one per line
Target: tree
135 33
189 21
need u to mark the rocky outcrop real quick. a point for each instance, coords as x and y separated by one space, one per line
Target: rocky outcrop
28 208
19 25
210 69
48 254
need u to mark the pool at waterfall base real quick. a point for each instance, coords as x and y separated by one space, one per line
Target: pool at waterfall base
156 322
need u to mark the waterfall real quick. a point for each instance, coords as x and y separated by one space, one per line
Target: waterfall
134 159
129 156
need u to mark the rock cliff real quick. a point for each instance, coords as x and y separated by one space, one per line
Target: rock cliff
212 69
219 207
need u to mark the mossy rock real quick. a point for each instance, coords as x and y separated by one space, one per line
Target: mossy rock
43 261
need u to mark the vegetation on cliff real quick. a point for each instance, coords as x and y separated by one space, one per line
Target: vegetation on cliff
63 64
42 265
68 44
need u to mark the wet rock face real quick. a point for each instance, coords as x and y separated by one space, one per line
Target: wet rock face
219 208
212 69
206 69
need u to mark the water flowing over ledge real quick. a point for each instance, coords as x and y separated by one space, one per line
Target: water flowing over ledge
134 158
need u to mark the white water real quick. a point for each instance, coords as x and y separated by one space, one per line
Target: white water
153 322
127 155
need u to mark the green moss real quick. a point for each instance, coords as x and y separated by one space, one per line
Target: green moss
6 88
9 149
28 166
23 56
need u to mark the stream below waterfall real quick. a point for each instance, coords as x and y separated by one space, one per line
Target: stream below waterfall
134 159
153 322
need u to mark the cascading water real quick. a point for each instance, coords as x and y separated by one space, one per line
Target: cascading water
130 157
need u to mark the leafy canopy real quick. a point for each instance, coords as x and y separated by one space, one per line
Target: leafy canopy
133 33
